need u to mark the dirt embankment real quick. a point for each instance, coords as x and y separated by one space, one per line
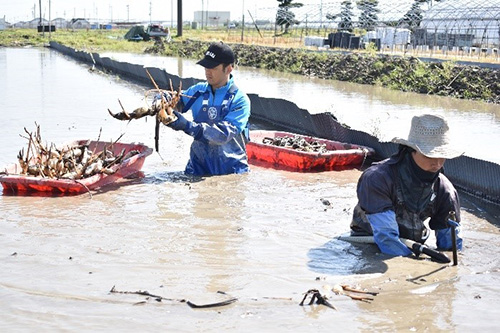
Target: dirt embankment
399 73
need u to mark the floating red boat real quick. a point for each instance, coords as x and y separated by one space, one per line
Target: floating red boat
13 181
333 155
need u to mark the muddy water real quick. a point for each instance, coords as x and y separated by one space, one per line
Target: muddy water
265 238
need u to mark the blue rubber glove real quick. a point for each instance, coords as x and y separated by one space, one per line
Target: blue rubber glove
386 233
180 124
443 237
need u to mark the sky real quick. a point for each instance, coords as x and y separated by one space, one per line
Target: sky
128 10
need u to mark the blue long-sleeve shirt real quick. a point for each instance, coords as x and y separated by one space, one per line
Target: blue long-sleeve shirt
220 119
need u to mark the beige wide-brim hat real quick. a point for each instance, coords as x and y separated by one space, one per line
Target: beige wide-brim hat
430 135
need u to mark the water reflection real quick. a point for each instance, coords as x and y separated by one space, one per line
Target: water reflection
338 257
218 207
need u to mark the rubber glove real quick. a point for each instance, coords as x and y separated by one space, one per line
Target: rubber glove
180 124
386 233
443 237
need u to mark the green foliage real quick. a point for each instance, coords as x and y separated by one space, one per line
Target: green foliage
18 37
289 4
346 16
284 16
444 79
369 13
378 65
91 40
371 49
413 17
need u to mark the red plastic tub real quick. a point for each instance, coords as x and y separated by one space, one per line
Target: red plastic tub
13 182
339 155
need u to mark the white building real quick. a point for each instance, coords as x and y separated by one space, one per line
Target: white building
3 24
389 36
59 23
34 23
79 23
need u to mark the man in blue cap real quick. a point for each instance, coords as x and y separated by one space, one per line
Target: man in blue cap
220 117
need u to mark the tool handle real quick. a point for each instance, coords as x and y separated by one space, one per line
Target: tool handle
452 222
454 244
418 248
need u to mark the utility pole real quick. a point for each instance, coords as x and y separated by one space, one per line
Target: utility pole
128 13
321 15
150 7
50 23
206 18
179 18
243 21
40 23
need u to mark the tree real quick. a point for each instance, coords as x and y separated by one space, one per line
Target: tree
285 17
428 2
346 16
331 17
413 17
368 17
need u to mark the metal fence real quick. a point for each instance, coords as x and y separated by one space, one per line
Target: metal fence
462 27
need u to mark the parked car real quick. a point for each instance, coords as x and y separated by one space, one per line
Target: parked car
153 31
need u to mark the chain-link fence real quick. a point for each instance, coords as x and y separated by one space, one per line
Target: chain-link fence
465 27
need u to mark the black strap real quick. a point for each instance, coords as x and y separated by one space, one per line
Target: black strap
231 92
191 101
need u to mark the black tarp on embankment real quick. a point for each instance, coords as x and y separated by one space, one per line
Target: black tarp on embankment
477 177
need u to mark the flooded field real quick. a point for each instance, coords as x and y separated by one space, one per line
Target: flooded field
264 238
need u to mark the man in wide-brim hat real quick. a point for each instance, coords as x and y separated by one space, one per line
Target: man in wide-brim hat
397 195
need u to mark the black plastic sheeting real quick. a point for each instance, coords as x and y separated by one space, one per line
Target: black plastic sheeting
476 177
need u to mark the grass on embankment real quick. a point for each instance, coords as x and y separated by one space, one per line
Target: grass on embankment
113 41
88 40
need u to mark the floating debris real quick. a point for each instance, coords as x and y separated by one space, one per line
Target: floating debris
316 297
190 304
356 294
